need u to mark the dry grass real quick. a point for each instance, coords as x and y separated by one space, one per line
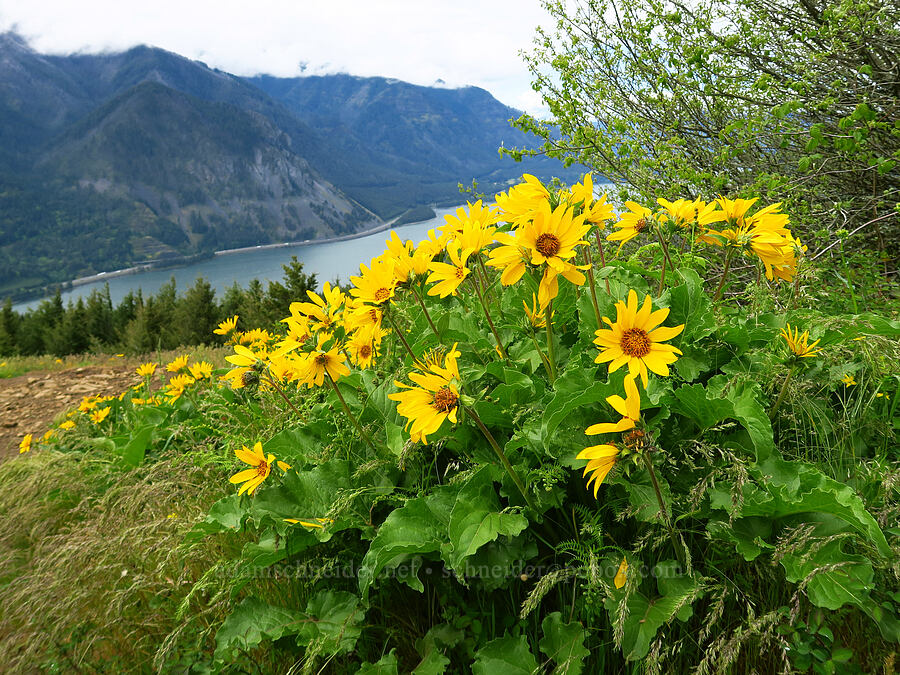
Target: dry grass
91 567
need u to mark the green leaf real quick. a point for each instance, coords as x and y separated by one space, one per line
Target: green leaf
563 643
645 617
417 527
476 519
442 636
689 305
386 665
226 514
332 620
505 656
827 587
134 451
252 622
695 402
574 389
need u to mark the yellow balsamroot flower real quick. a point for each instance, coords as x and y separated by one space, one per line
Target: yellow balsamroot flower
68 424
376 284
629 408
601 459
686 214
797 343
97 416
521 201
25 445
323 311
146 369
447 278
400 253
48 435
177 364
480 216
363 346
316 364
848 380
636 339
227 326
262 467
537 316
621 574
87 404
319 523
177 385
435 399
596 212
511 257
636 220
201 371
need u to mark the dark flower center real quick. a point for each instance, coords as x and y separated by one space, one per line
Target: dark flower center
636 342
640 225
382 294
321 359
365 352
444 400
262 469
460 272
547 245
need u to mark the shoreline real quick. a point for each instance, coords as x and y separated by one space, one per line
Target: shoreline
161 264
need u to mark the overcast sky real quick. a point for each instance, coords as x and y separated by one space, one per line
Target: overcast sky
460 41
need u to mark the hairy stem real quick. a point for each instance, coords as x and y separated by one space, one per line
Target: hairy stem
281 393
399 333
724 275
352 417
781 394
425 310
487 315
676 543
499 452
602 257
590 274
551 349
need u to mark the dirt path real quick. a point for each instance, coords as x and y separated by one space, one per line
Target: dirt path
29 403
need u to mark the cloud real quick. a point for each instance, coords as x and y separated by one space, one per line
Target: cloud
463 42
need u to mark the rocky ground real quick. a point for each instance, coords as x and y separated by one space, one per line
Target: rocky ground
29 403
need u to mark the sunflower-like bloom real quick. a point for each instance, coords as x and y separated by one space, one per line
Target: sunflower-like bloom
435 399
177 364
551 238
68 424
595 212
358 316
636 220
201 371
317 363
848 380
521 201
601 459
400 253
477 216
261 468
97 416
25 445
176 386
227 326
636 339
448 277
629 408
797 343
511 257
376 284
685 214
324 310
146 369
363 346
245 362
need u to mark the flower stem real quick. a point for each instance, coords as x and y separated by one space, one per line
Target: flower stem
590 271
487 315
724 275
551 349
499 452
352 417
541 353
666 258
399 334
602 257
281 393
676 544
425 310
781 394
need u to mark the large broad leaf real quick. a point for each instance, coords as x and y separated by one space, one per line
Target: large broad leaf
783 489
505 656
689 305
252 622
332 621
386 665
573 390
417 527
134 451
835 578
563 643
645 616
438 638
226 514
476 520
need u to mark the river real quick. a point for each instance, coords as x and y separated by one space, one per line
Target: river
330 261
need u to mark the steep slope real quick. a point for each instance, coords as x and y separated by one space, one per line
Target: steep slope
428 138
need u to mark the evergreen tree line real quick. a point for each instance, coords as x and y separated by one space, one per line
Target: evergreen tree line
139 325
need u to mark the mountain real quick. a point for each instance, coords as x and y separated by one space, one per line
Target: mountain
415 140
109 160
